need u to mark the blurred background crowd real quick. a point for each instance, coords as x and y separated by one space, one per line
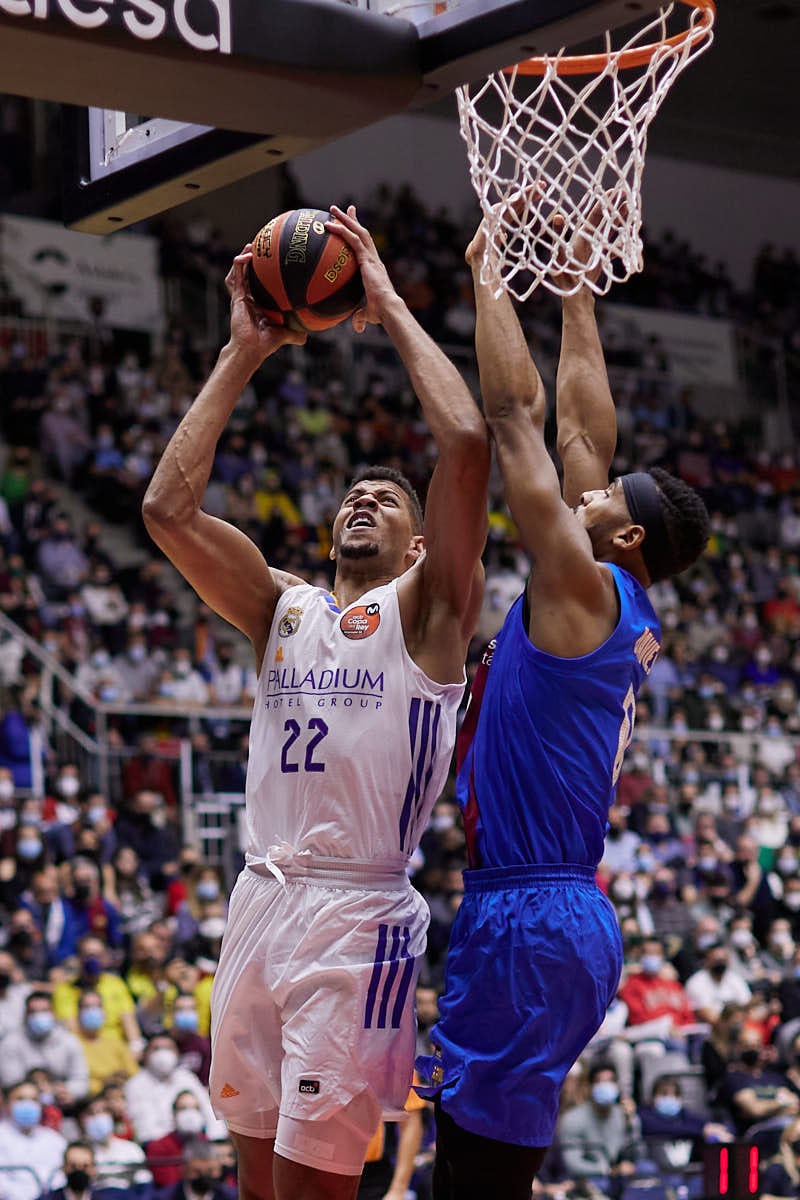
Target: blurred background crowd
113 898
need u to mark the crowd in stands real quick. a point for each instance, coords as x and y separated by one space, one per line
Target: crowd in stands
110 922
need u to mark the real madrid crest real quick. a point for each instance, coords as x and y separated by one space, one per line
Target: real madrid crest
290 622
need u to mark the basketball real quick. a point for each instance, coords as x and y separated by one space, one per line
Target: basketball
301 275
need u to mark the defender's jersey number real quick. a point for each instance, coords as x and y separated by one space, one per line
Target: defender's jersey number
625 730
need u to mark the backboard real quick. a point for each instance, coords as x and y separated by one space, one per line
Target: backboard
227 87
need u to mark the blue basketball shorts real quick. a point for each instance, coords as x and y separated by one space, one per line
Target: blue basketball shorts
534 962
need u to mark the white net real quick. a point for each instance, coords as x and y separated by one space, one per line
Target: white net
569 143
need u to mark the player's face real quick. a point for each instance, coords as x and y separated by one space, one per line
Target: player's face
374 519
603 512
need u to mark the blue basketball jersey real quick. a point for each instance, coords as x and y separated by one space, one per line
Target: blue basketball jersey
536 780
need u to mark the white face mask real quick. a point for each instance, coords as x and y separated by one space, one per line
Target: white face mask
189 1120
6 789
162 1062
212 928
69 785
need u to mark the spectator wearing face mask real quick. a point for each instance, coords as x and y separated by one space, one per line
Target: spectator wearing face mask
26 945
673 1133
600 1138
653 994
132 895
98 672
52 915
745 951
778 956
94 977
621 844
107 1055
90 911
187 685
719 1048
28 855
106 607
769 823
204 891
145 826
193 1047
188 1125
202 1176
136 667
151 1092
750 888
716 984
752 1090
114 1156
26 1143
42 1042
672 919
81 1177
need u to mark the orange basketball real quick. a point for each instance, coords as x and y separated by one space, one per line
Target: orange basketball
302 275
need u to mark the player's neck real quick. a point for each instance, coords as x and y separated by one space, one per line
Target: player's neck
351 583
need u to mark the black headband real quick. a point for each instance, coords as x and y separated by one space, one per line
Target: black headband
644 504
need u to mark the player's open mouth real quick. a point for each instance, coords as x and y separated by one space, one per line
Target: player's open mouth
362 521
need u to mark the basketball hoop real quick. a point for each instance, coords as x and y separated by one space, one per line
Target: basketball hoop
565 136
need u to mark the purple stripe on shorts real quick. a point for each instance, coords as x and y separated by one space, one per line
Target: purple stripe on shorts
394 966
376 975
405 982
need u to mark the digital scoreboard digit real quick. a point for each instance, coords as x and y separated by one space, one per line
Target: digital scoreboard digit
730 1171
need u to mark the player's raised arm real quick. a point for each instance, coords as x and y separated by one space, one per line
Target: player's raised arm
585 413
440 620
560 550
220 562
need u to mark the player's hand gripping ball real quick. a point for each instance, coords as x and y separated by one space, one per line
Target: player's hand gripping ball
301 275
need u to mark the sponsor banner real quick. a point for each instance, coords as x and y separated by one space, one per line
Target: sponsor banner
700 350
62 275
145 19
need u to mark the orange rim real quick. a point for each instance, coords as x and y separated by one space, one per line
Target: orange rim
593 64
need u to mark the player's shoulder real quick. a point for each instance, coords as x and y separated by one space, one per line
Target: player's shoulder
283 580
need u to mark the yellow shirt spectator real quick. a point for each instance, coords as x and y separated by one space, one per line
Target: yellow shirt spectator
202 998
107 1057
116 998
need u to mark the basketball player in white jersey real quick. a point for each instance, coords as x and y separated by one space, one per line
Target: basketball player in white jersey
352 733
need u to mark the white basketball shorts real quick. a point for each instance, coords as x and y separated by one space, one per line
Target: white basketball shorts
313 1000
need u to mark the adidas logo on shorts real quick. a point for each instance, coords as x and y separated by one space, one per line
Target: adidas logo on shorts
228 1091
309 1087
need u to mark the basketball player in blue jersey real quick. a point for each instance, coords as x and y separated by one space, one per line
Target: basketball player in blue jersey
535 952
352 733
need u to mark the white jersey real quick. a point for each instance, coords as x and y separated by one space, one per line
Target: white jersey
350 742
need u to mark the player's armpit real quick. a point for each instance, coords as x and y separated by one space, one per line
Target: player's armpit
225 568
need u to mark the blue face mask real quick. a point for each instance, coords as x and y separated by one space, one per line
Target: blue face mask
26 1113
186 1021
29 848
40 1024
605 1093
667 1106
652 963
92 1019
207 889
98 1126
